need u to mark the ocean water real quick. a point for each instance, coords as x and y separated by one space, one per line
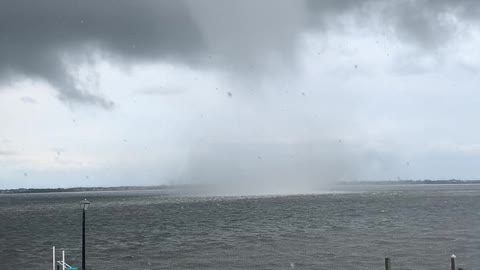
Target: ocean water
418 226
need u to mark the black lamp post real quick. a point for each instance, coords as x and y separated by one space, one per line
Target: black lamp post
84 204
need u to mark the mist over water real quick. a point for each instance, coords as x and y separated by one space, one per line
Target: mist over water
269 168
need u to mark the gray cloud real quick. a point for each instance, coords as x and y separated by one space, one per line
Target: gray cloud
430 24
48 39
28 100
7 153
161 91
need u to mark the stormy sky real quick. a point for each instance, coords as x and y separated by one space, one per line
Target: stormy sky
265 95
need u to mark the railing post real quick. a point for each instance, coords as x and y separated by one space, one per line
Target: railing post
387 264
53 261
452 262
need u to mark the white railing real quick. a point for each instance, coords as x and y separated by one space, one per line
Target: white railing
62 263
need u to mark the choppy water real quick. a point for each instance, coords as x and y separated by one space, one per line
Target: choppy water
417 226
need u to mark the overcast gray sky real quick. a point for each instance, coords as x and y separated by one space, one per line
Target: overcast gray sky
273 94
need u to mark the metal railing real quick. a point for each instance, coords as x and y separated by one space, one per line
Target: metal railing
56 265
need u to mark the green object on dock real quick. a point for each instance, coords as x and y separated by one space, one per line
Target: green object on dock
72 269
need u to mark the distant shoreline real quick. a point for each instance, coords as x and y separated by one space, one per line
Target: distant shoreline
139 188
411 182
86 189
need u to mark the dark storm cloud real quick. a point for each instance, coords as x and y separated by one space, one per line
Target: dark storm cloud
48 39
45 39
